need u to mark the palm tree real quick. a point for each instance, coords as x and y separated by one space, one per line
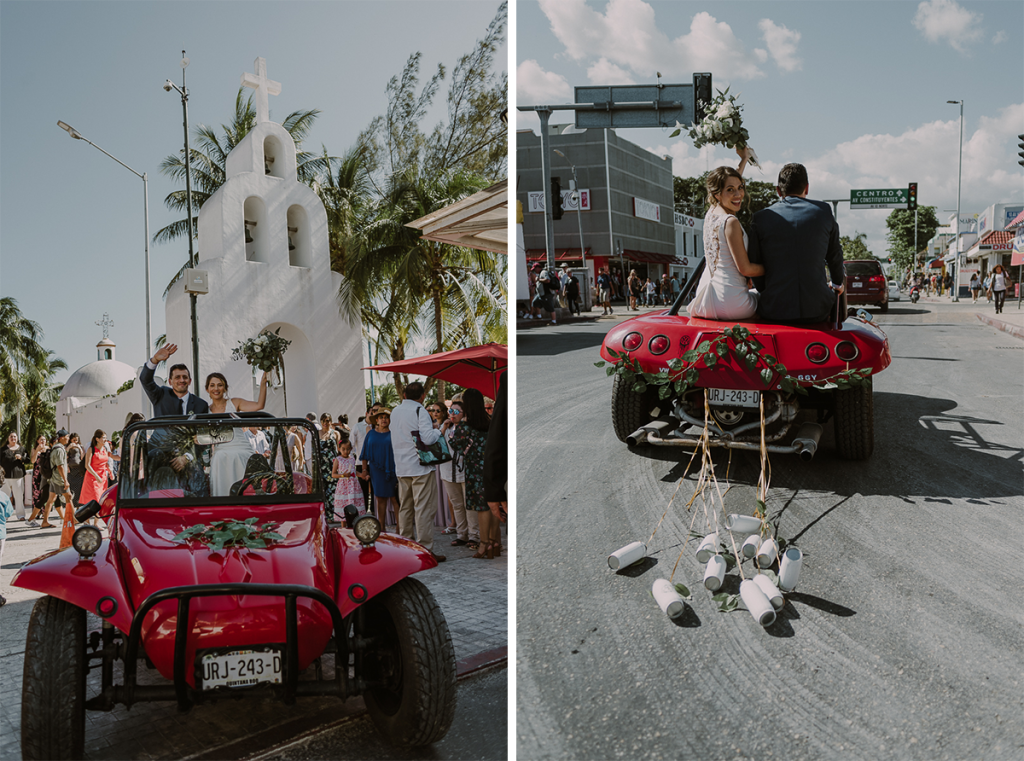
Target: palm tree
345 195
456 291
209 154
20 354
41 396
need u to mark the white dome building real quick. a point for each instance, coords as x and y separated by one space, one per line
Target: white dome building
89 399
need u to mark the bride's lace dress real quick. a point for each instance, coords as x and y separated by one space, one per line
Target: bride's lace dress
722 293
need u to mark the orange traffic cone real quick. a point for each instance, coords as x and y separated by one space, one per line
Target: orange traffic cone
69 525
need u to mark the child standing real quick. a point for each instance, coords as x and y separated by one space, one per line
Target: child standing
348 491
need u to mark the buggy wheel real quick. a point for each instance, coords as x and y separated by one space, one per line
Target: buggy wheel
411 665
630 409
53 688
855 422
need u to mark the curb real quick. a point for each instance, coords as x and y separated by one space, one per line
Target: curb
259 746
1013 330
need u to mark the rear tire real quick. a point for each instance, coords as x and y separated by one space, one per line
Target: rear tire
630 409
885 306
415 659
855 422
53 686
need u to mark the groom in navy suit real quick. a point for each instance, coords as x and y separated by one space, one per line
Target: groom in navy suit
796 239
174 399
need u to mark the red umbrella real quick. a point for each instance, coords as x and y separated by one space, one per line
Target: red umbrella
477 367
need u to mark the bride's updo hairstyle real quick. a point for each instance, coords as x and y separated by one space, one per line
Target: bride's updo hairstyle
211 376
715 182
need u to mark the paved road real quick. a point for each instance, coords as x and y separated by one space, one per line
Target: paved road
904 639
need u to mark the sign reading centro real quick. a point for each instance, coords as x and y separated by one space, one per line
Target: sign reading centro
884 198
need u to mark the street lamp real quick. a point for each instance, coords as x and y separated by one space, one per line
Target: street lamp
183 91
959 177
145 197
579 203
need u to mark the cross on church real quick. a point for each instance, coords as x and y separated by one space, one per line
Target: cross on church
106 323
264 87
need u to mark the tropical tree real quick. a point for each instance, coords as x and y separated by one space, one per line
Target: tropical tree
855 247
21 354
208 156
901 234
41 395
345 195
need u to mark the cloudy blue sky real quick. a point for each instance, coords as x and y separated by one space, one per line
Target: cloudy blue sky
71 239
855 90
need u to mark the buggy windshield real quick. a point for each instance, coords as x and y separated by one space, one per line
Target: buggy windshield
214 459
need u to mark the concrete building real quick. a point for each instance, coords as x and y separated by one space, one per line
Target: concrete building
626 200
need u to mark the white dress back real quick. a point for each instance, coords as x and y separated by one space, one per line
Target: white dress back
722 293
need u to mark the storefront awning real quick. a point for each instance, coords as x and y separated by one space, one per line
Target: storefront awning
650 257
935 264
1017 222
994 241
565 255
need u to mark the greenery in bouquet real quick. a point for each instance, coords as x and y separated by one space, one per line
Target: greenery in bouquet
722 125
264 352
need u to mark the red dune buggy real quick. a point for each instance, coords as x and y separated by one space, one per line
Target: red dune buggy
665 362
223 573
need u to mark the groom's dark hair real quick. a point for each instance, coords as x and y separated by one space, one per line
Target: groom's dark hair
792 179
175 368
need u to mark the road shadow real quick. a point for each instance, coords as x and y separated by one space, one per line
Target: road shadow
638 569
535 343
820 604
901 311
689 619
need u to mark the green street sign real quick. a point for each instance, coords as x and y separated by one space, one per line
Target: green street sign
883 198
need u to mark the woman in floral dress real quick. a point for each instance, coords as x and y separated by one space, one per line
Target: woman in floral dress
328 451
348 491
468 444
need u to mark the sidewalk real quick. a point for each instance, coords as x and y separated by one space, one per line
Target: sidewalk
473 594
621 311
1010 320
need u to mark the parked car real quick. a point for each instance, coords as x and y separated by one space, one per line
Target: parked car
866 283
894 291
225 576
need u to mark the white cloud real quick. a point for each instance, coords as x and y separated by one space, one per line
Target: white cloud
535 86
781 43
604 72
926 154
940 20
999 37
628 37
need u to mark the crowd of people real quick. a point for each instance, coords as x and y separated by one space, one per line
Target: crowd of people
994 285
373 465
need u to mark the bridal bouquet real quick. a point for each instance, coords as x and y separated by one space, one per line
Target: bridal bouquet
264 352
721 125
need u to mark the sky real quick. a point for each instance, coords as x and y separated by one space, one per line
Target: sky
72 224
855 90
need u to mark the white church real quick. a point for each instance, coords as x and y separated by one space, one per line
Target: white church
263 242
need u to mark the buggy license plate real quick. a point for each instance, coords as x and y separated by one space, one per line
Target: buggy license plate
241 668
731 397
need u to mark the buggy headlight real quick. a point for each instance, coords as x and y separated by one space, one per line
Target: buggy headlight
367 529
86 540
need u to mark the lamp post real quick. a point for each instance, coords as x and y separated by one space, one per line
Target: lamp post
145 198
579 219
959 177
183 91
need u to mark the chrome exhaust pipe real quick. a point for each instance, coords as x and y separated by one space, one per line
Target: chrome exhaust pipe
806 440
639 436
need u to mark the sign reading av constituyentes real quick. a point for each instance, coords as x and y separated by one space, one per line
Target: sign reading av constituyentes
884 198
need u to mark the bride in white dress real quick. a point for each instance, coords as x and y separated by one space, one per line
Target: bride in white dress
722 293
227 465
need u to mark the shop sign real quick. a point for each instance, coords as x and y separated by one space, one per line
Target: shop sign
682 220
535 199
646 209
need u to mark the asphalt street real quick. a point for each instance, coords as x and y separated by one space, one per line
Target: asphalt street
904 639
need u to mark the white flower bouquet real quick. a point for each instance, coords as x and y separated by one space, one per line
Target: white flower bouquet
722 125
264 352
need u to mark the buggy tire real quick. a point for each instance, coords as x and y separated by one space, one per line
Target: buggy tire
854 422
53 686
412 664
630 409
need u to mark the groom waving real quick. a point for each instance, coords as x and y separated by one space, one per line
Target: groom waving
796 239
174 399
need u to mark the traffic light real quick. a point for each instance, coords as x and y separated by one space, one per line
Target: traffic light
912 197
1021 151
701 95
556 198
